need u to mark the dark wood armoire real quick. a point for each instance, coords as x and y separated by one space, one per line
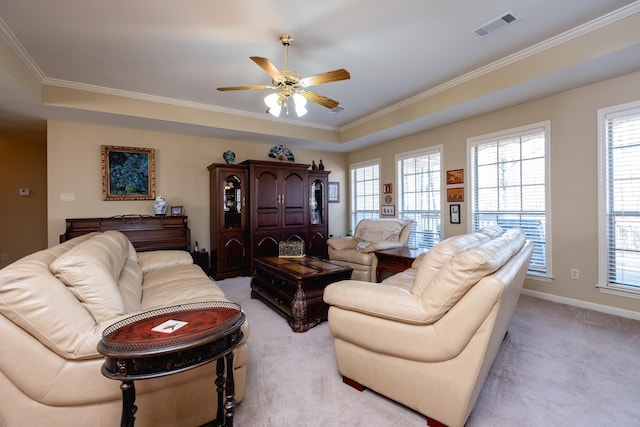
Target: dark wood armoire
256 204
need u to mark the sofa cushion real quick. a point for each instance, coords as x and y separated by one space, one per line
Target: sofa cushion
178 284
153 260
465 269
374 230
129 284
340 243
91 272
31 297
441 254
356 257
492 231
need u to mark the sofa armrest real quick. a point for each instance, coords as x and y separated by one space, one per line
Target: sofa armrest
340 243
376 299
442 340
382 245
153 260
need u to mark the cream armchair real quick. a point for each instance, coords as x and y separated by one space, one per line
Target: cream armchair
429 342
370 235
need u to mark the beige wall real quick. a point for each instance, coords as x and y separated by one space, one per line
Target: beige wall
74 160
74 167
573 176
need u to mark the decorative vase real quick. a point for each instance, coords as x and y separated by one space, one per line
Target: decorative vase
160 205
321 165
314 167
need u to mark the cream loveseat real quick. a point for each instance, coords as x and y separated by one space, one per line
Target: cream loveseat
54 305
370 235
427 337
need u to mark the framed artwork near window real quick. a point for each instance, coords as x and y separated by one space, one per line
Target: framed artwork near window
333 195
455 176
455 194
454 214
388 210
387 188
128 173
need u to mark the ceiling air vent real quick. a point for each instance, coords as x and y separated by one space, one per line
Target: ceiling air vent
495 24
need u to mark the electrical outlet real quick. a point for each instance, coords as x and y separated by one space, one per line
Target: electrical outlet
67 197
575 273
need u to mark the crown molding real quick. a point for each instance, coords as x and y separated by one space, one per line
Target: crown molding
574 33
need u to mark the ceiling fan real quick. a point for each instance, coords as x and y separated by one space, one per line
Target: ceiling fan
291 86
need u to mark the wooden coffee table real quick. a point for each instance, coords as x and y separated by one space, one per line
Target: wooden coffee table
170 340
294 287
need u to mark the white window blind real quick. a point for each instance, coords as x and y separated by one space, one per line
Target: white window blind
509 186
420 194
620 206
365 192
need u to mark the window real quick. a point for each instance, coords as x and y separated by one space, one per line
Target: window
510 186
619 199
419 194
365 191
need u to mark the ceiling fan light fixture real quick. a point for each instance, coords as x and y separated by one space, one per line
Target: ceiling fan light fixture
290 83
274 102
300 103
275 111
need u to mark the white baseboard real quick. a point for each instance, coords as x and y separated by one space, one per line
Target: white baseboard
630 314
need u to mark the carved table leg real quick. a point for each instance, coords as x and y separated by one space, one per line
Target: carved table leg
298 321
128 404
230 404
220 390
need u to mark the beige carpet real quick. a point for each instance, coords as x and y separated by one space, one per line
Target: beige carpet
559 366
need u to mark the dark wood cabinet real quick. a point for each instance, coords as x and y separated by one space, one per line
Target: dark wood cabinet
271 201
318 213
201 259
278 202
228 219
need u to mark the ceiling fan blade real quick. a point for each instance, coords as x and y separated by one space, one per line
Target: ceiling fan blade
319 99
271 69
328 77
222 89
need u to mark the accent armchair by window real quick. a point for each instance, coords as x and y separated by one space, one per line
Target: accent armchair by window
370 235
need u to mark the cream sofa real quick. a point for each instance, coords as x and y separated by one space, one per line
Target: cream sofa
370 235
54 305
427 337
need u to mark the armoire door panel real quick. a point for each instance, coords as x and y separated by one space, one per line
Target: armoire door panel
233 254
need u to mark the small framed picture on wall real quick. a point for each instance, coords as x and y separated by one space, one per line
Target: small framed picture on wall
388 210
455 194
454 214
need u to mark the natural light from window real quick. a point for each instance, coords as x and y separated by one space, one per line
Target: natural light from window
420 194
365 191
619 199
509 186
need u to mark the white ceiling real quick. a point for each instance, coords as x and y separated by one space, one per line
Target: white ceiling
178 52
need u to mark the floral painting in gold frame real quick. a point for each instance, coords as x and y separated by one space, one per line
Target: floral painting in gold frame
128 173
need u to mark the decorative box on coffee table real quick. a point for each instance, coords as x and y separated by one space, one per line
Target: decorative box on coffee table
294 287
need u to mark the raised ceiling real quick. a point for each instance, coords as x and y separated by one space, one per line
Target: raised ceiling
414 65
